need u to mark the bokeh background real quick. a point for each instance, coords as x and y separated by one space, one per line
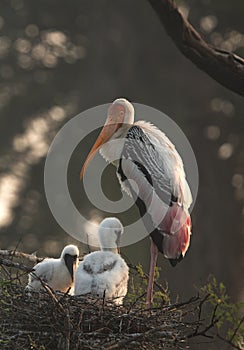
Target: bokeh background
58 58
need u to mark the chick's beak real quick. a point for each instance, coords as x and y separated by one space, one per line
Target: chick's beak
70 262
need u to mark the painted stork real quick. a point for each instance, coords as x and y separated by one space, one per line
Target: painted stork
57 273
104 273
145 155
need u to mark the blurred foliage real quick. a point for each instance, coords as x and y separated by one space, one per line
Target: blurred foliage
229 315
138 286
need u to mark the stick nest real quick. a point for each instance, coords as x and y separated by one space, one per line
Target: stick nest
49 320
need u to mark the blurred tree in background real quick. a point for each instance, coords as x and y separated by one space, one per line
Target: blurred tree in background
59 58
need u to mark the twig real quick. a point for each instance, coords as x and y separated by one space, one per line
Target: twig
133 337
10 263
229 342
212 323
17 254
136 301
145 276
68 329
200 312
237 328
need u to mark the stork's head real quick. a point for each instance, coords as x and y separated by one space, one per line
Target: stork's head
70 256
109 233
119 113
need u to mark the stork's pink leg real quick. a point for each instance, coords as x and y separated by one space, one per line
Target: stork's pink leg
153 263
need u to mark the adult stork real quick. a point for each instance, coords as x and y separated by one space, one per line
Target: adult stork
145 155
104 273
57 273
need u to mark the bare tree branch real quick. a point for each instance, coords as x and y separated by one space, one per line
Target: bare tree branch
223 66
14 253
16 265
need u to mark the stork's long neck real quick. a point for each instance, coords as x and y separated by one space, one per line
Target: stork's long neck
112 149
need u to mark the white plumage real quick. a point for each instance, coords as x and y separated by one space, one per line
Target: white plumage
104 273
57 273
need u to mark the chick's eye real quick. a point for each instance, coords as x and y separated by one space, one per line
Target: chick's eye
121 113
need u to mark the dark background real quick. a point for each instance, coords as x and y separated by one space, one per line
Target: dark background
61 57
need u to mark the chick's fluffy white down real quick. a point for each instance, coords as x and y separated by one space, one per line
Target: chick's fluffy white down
102 273
53 272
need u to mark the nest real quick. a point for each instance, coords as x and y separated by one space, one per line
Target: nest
51 320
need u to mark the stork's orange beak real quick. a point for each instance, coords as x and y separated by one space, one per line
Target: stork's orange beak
107 131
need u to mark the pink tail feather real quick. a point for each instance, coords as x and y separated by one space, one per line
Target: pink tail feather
176 227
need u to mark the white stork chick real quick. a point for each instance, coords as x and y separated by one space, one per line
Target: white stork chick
57 273
104 273
144 154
